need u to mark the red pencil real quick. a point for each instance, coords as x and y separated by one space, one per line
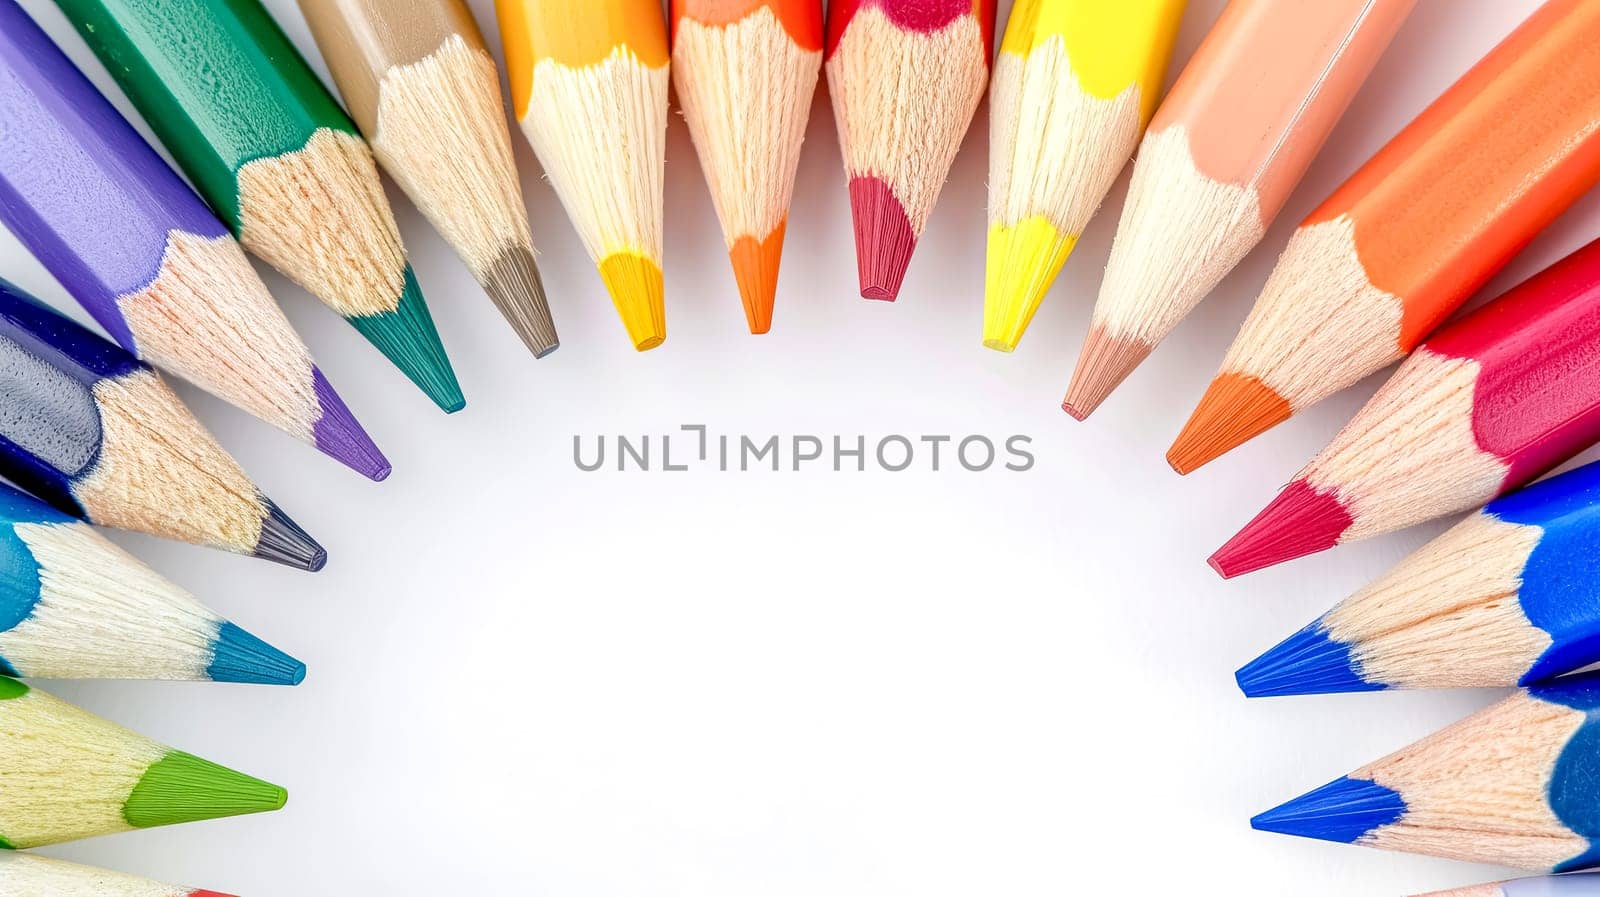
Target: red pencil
1486 405
906 77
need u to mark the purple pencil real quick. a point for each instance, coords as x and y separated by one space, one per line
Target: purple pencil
144 255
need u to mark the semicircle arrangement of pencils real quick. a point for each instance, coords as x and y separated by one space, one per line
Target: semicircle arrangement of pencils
285 168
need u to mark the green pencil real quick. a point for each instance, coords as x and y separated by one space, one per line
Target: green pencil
276 156
67 774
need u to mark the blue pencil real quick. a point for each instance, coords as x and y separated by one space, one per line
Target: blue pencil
1516 784
1581 884
95 432
75 606
1509 596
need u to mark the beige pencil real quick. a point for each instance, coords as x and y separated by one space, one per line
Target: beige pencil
426 93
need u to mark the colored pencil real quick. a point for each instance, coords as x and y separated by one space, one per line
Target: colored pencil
1243 122
1487 404
75 606
745 73
1513 785
271 151
424 89
1073 89
139 250
66 774
1577 884
589 85
906 77
1509 596
97 434
30 875
1416 231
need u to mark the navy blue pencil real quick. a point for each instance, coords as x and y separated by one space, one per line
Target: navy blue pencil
96 433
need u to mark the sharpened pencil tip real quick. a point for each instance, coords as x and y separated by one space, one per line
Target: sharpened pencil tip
513 283
634 283
283 541
884 238
407 337
1299 521
1343 810
338 435
238 656
1307 663
755 269
1235 409
181 787
1023 261
1106 360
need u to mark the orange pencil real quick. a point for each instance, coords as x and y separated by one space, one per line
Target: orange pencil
589 85
746 71
1416 231
1225 150
906 77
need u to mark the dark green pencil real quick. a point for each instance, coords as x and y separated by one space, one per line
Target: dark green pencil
276 156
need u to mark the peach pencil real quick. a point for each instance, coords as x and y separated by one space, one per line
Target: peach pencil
1226 148
1416 231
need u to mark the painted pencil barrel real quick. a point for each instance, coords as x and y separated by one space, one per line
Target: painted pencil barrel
276 157
139 250
589 85
1416 231
66 774
97 434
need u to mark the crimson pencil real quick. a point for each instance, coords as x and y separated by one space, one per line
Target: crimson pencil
906 77
1486 405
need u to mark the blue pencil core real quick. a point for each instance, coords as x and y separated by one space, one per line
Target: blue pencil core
238 656
1343 810
1310 662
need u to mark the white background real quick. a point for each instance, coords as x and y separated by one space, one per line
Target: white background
526 679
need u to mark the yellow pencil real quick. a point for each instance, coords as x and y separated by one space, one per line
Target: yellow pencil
589 85
1074 86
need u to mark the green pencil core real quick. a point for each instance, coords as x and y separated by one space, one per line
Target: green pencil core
181 787
410 340
11 688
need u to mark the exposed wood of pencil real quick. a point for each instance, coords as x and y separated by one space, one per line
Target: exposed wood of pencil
70 775
1241 126
1071 93
426 93
1448 616
1476 791
159 471
1416 231
101 613
746 88
902 101
30 875
589 85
